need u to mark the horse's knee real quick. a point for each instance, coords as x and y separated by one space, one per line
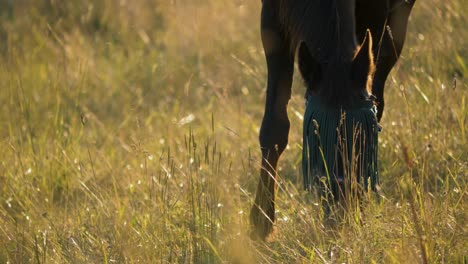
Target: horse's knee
274 134
384 66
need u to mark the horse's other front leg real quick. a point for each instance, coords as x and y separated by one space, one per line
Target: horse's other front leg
275 125
388 22
393 41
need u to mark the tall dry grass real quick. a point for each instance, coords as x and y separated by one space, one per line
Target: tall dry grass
129 129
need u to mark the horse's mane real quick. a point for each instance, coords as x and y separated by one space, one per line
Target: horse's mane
316 22
327 27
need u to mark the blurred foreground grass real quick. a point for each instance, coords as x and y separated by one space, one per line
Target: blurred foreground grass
128 133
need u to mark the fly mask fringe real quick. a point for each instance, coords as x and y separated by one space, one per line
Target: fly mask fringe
340 143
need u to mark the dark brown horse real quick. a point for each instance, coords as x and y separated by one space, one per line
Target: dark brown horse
323 35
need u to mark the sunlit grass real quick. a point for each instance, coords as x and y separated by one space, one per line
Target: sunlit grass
129 130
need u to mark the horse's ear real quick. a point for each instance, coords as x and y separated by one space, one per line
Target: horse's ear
363 62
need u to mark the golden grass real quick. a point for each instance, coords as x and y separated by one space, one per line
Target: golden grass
129 130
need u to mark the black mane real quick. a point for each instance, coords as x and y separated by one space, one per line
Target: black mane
326 26
327 29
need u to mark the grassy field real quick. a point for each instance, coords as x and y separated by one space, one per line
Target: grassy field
129 134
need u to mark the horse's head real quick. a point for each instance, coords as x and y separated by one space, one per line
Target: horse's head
341 77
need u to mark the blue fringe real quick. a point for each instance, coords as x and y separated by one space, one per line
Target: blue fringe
332 137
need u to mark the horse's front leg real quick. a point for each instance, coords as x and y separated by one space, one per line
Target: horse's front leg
388 52
391 47
275 125
388 22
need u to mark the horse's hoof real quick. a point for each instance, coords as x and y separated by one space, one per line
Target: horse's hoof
261 225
